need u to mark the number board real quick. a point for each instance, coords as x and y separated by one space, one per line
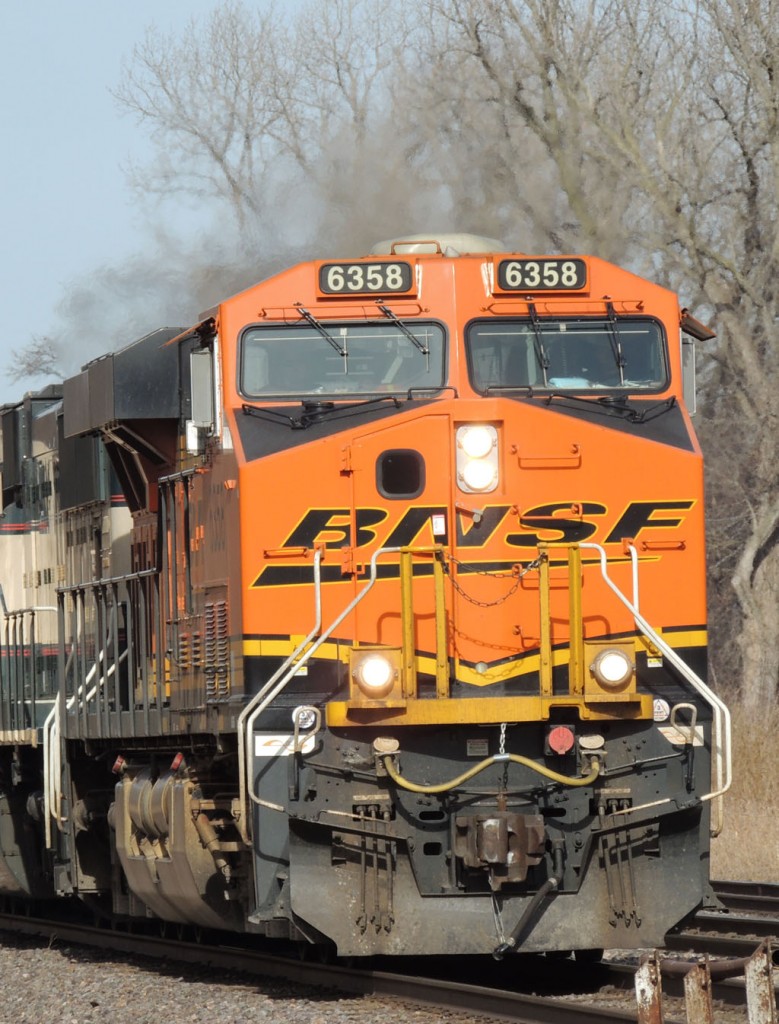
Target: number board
542 275
362 278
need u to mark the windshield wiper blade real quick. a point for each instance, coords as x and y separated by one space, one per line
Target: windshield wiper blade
606 404
538 345
654 411
616 341
268 414
403 329
310 318
617 405
314 411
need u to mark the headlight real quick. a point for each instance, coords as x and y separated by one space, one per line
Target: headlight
375 675
479 476
612 668
477 457
476 441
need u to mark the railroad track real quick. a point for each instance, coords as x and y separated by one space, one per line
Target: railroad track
754 897
496 998
496 991
723 936
751 915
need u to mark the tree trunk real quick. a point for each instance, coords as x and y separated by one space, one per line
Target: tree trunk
756 583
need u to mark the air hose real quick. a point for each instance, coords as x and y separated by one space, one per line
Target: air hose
552 883
445 787
556 878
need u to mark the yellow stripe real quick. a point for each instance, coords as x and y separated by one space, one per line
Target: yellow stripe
278 648
524 665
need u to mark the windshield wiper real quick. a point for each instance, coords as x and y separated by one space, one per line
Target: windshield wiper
273 415
616 342
538 345
315 411
403 329
310 318
617 405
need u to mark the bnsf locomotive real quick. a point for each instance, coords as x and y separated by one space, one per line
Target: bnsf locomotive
369 613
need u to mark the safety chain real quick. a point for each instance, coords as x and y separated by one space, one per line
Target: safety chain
517 574
496 915
504 782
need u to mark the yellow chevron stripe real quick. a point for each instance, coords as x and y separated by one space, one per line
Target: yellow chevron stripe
523 665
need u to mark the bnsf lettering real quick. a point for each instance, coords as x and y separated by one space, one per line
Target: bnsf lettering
367 519
553 522
412 524
639 515
331 527
569 531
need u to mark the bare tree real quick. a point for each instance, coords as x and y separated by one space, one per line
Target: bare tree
41 357
644 131
741 90
256 110
657 129
207 102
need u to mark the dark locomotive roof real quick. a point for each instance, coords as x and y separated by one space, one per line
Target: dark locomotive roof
140 382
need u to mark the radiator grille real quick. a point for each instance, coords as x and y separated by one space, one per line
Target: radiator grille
217 651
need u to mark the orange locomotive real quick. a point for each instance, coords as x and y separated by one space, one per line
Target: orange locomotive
400 644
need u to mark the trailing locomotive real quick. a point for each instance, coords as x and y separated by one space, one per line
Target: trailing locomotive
369 612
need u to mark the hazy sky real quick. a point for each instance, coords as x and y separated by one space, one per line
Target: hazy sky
65 207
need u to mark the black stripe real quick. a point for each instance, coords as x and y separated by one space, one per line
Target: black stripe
260 437
666 426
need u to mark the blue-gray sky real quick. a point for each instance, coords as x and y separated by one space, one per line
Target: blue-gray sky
65 207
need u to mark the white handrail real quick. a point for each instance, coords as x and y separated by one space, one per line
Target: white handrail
281 678
721 743
244 739
27 611
634 565
52 751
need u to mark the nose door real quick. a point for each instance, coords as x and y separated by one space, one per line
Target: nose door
401 498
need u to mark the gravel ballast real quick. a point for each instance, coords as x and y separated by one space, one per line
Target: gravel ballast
66 984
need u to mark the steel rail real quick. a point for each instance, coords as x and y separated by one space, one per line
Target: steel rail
758 897
441 993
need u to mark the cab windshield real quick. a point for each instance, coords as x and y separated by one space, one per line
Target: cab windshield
324 358
619 354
